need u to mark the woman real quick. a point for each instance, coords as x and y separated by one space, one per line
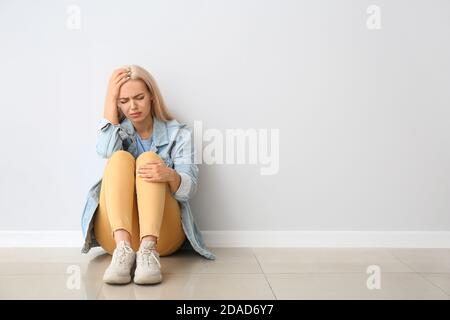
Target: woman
139 210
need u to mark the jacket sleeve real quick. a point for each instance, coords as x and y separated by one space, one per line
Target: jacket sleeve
110 138
183 156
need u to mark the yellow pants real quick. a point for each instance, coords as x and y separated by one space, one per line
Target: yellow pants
142 208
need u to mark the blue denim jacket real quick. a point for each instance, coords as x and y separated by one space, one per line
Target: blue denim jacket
174 145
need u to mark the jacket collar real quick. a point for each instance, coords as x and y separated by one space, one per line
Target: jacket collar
159 130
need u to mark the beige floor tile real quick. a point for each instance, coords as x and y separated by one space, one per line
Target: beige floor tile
425 260
38 268
337 286
237 273
56 261
442 280
195 286
43 287
299 260
229 260
47 255
51 262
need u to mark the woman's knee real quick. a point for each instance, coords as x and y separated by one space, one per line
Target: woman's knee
121 156
147 156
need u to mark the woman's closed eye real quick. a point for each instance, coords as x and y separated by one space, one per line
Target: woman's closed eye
137 98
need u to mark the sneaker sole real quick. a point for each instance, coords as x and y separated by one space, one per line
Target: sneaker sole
149 280
118 280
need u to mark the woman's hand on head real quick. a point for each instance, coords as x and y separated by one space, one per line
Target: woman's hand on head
155 171
118 78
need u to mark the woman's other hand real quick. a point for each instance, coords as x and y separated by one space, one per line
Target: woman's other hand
155 171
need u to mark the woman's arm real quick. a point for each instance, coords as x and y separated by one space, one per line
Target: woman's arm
119 77
109 139
175 182
183 156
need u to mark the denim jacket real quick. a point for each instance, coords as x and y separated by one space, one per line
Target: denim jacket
173 143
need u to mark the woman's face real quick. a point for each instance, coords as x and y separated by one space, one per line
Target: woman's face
135 100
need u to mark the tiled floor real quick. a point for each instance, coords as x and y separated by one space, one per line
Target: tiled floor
238 273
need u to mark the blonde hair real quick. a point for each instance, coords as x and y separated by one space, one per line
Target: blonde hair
159 109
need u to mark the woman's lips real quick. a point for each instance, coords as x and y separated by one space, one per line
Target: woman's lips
135 114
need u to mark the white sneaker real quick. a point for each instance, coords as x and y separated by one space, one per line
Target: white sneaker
119 271
148 266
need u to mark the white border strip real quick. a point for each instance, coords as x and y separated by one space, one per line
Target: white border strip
370 239
45 238
329 239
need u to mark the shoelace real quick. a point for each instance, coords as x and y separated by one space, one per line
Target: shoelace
122 253
147 253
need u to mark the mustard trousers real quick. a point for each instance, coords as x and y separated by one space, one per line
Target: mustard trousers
139 207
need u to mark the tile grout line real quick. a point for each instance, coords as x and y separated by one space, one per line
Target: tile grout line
432 283
265 276
400 260
419 274
423 273
99 291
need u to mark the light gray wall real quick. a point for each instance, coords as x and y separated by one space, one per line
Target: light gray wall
363 114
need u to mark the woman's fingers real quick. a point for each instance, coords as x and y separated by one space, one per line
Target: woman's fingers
122 77
123 80
151 165
146 175
119 71
150 178
117 75
145 169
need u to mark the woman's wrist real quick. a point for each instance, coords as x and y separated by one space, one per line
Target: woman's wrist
110 113
175 180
